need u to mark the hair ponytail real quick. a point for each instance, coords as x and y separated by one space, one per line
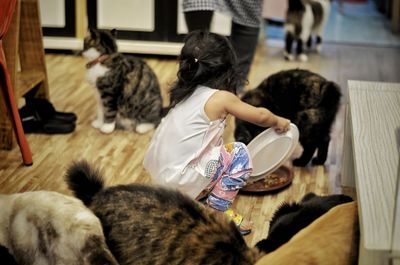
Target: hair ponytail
206 59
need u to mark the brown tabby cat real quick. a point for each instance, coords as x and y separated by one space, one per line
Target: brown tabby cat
153 225
307 99
128 91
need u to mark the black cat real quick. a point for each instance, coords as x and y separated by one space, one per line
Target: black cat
307 99
289 219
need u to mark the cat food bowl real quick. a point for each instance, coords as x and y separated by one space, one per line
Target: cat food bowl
269 150
279 179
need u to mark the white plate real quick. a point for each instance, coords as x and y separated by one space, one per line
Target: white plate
269 150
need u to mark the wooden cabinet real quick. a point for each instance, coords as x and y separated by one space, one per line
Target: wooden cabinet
148 27
63 23
153 26
371 164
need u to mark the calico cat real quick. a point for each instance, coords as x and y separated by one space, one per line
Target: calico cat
128 91
307 99
290 218
44 227
154 225
305 19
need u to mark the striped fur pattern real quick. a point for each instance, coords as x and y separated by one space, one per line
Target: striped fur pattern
307 99
49 228
152 225
127 89
305 20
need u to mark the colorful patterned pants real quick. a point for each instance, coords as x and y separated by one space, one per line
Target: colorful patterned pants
233 170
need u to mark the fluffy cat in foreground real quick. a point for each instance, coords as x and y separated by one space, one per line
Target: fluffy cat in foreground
305 20
49 228
153 225
307 99
128 91
290 218
331 239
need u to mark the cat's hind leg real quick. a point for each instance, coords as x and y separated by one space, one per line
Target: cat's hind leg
318 46
287 53
319 29
306 26
132 125
318 40
143 128
308 152
309 42
300 51
322 153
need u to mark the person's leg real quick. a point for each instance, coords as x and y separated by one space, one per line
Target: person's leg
231 177
198 19
232 173
244 40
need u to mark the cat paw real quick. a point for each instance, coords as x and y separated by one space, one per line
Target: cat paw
97 124
318 48
299 162
317 161
288 56
107 128
303 58
143 128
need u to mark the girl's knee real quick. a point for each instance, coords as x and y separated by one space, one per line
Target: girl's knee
241 154
240 145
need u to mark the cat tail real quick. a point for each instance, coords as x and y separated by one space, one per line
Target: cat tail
84 181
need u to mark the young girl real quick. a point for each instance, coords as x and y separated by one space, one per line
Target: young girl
186 151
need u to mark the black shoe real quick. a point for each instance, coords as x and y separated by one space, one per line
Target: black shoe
46 110
32 122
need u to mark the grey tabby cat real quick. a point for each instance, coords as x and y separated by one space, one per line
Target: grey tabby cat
305 19
152 225
129 94
50 228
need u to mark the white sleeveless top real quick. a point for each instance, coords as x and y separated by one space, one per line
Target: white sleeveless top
185 143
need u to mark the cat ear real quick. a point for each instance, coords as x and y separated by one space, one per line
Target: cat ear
113 32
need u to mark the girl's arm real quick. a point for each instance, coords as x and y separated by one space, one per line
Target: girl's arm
223 103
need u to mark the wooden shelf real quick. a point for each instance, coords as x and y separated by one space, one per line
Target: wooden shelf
27 80
24 52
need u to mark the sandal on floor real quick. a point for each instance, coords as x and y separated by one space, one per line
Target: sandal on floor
237 219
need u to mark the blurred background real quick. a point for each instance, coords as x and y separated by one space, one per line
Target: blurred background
365 22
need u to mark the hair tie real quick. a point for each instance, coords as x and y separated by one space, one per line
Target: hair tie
196 60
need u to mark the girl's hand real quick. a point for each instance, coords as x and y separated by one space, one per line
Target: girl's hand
282 125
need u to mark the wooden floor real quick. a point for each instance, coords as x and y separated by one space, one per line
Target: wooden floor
120 155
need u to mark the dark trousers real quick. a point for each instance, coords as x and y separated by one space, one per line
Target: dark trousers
243 38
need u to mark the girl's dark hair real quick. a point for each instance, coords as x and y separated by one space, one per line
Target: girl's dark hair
206 59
